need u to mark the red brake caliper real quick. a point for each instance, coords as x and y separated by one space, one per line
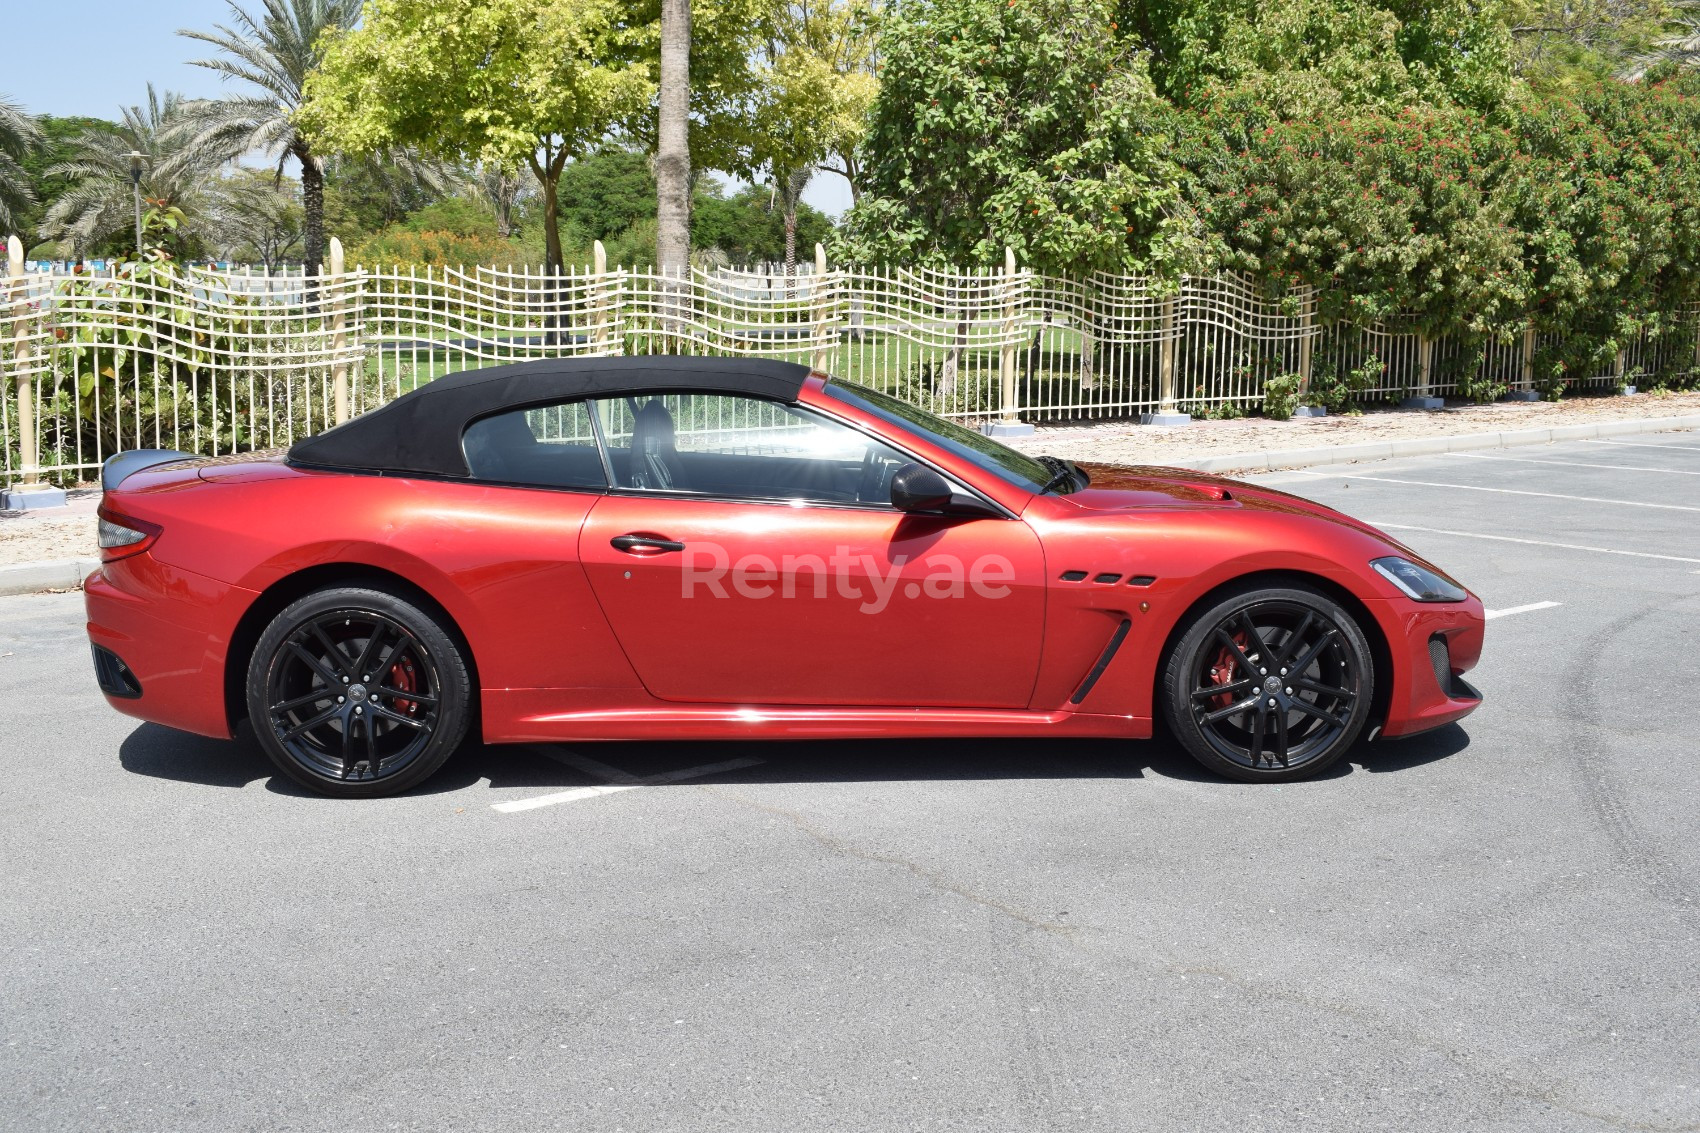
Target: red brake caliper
403 679
1222 671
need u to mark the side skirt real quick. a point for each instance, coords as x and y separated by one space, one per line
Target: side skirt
507 720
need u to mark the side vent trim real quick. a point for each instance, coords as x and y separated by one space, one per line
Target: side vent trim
1104 660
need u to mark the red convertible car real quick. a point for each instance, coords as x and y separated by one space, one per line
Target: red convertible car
682 548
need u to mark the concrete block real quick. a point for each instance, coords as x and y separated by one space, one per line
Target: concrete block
1166 420
1423 403
34 499
1007 429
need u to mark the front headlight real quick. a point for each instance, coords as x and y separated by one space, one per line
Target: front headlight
1418 581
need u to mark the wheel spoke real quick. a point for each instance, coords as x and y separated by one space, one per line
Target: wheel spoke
1257 727
326 693
1239 652
348 744
403 694
339 657
1310 709
363 666
315 664
312 722
1280 752
1266 656
1292 643
1315 651
1325 690
396 716
1231 710
1204 693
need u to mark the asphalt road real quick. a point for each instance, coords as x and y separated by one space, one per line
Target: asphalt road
1493 927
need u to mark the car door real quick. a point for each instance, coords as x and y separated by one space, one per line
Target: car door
749 554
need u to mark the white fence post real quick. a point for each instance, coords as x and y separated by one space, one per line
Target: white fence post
1168 407
821 291
1006 357
29 450
1423 397
339 332
599 298
1009 423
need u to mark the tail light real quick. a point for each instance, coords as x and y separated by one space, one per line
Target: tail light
121 536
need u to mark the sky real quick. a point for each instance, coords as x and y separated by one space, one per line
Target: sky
117 46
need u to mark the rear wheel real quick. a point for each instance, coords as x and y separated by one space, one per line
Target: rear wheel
1270 684
357 692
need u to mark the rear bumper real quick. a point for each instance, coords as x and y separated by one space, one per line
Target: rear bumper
171 629
1433 645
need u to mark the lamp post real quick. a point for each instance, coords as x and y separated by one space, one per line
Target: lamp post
136 160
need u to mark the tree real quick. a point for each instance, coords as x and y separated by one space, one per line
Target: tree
367 192
1027 125
810 101
274 54
673 149
1570 45
606 192
746 229
533 81
19 137
253 216
100 202
57 136
504 188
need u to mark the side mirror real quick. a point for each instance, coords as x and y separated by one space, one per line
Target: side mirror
915 487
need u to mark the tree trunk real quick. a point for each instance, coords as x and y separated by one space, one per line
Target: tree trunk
672 150
790 240
313 211
550 179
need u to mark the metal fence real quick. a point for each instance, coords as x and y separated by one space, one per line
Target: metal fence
221 361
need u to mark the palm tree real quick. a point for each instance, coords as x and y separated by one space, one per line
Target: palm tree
100 202
274 54
18 136
672 149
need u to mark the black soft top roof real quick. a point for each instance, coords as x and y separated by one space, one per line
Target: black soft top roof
420 432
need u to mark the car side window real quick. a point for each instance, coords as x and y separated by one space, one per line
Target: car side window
547 446
732 447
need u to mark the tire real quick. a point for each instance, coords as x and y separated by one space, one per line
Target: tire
1290 729
349 733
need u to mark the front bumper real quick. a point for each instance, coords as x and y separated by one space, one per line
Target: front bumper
1433 645
171 628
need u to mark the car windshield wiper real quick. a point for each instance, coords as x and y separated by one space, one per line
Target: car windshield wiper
1062 472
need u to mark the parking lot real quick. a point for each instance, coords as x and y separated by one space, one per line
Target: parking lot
1490 927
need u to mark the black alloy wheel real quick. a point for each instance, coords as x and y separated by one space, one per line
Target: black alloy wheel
1270 684
357 692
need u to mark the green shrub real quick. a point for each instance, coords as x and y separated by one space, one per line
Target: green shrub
1281 396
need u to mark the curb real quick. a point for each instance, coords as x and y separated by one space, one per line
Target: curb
32 578
1274 460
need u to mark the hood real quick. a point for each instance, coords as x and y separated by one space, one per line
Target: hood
1116 488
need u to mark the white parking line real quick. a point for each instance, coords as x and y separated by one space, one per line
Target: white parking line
1534 542
1501 491
1530 608
1643 444
620 780
1579 464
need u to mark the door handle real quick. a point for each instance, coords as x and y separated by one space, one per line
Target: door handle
640 543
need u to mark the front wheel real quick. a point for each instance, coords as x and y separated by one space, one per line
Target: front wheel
1270 684
355 692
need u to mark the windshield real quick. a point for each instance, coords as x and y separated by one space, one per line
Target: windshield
1015 467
